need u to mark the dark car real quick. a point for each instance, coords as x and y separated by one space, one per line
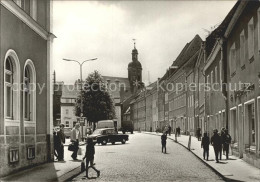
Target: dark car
108 135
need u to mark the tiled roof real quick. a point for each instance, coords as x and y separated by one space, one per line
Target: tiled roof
220 30
70 91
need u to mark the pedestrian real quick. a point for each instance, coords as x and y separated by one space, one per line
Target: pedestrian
227 141
163 140
216 143
198 133
89 156
157 129
61 136
75 136
178 131
222 150
56 142
205 145
165 130
169 130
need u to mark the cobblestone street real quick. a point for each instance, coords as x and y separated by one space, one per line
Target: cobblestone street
140 159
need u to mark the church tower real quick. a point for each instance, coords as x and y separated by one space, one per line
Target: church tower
135 72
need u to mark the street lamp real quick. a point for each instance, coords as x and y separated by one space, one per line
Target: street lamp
81 101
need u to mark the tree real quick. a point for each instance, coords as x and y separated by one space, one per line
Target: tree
97 103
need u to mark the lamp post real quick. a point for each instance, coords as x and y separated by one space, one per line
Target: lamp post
81 101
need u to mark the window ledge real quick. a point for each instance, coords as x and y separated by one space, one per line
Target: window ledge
251 59
243 67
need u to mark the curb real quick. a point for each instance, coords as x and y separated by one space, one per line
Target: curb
212 168
70 175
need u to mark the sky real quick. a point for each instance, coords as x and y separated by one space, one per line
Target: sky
105 30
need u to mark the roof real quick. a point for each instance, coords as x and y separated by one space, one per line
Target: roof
187 52
70 91
220 30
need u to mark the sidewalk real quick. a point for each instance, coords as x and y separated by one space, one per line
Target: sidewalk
53 171
234 169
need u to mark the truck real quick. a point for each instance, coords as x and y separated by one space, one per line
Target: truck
127 126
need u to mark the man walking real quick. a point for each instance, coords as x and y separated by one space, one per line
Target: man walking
75 136
216 142
61 136
163 141
226 142
169 130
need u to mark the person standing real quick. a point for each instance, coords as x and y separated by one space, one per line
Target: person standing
205 145
61 136
163 141
169 130
89 156
226 142
178 131
56 142
222 150
75 136
216 142
198 133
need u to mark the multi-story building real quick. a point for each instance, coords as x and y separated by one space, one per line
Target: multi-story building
216 77
119 90
199 95
242 46
67 106
180 115
148 108
154 93
25 87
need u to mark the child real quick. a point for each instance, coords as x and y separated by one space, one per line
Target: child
163 140
89 156
205 144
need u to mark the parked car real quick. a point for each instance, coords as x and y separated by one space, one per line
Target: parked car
67 132
108 135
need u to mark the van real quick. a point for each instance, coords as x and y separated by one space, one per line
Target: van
105 124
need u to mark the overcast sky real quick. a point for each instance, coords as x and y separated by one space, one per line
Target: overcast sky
104 30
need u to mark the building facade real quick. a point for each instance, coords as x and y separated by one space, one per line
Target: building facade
25 90
242 46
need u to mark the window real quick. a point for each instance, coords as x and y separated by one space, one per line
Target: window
251 119
67 124
27 109
33 9
220 72
67 111
258 15
232 59
216 74
211 78
251 39
9 88
242 49
29 94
